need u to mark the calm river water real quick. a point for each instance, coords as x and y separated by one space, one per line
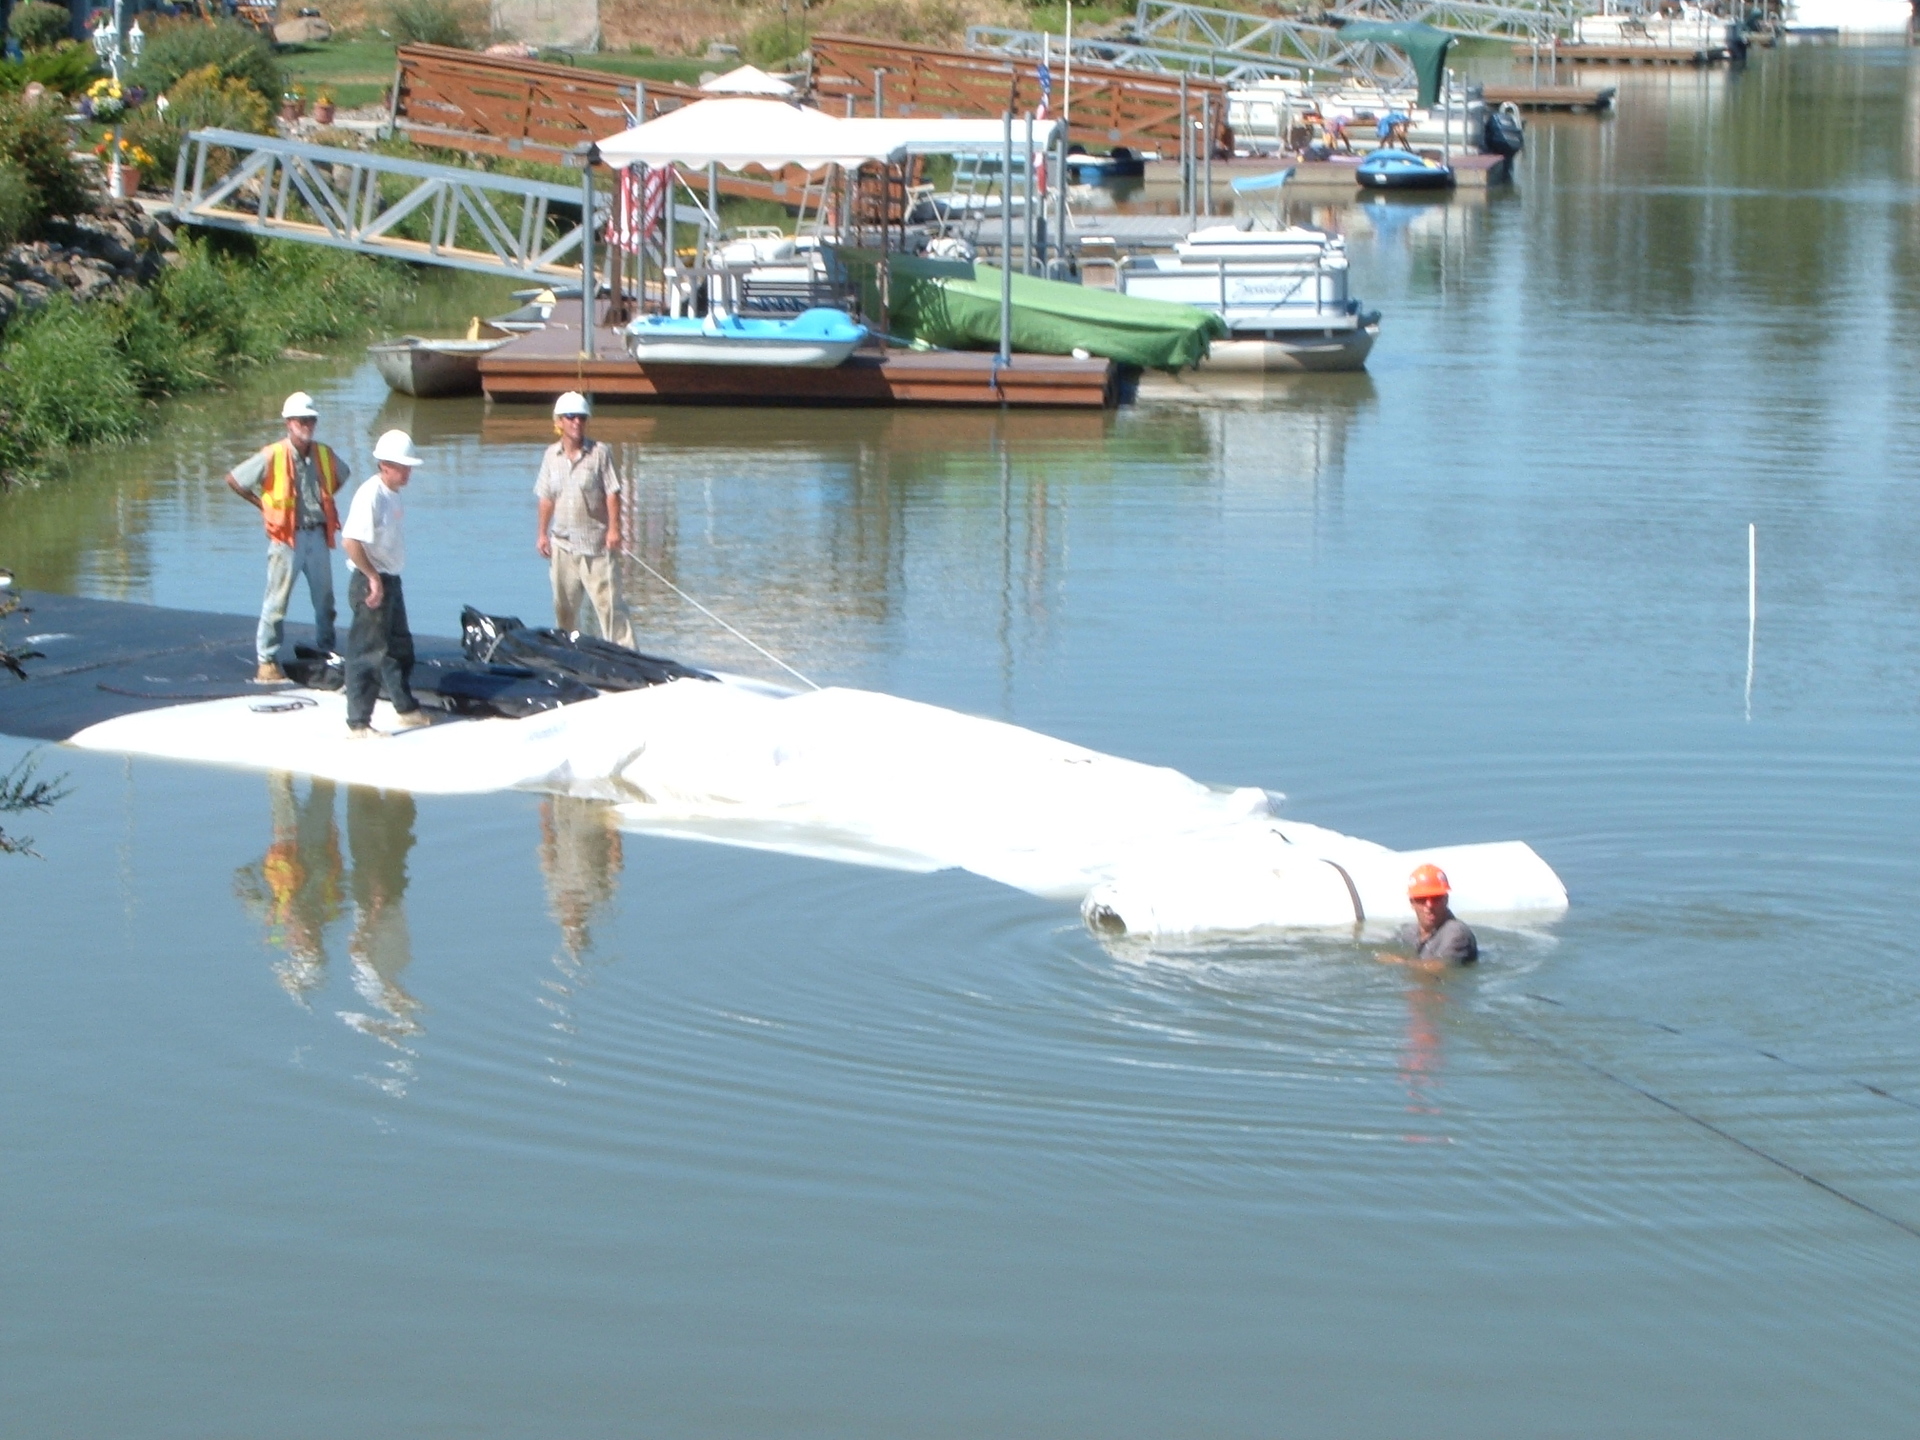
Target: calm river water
505 1125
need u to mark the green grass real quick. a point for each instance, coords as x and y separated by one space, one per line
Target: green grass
680 71
356 70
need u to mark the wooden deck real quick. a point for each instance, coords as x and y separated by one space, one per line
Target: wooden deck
1470 172
540 365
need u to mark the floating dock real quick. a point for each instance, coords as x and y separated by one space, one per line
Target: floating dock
542 364
1631 54
1471 172
1576 98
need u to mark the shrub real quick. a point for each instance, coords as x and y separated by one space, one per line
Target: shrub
19 205
33 138
436 22
68 67
38 26
201 99
64 382
237 52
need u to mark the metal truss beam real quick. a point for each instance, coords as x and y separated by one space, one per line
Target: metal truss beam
1152 60
1237 35
1476 19
494 224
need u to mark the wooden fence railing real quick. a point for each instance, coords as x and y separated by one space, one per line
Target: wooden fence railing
1110 107
493 105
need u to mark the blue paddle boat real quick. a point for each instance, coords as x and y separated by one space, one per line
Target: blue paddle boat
816 339
1402 170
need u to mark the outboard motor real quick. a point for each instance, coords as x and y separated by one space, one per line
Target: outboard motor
1503 135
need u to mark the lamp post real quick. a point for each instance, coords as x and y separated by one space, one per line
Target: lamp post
107 44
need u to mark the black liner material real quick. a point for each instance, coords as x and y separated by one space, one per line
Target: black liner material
503 640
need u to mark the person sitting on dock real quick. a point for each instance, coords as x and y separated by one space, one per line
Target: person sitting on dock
292 483
578 491
1438 938
379 641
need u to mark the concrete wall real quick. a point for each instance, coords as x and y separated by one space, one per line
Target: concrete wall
569 24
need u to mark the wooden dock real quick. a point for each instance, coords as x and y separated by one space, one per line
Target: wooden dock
1470 172
1576 98
540 365
1629 54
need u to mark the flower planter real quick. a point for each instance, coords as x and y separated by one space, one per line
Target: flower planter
123 183
323 112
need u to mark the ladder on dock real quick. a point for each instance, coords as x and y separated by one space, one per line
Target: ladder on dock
355 200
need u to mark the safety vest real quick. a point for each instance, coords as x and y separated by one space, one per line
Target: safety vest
280 502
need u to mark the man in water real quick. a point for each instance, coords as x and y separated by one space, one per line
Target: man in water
578 491
292 484
1438 938
379 643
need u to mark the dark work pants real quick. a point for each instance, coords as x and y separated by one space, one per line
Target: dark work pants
379 650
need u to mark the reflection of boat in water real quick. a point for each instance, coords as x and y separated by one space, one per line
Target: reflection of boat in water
1402 170
1282 293
1087 169
815 339
430 369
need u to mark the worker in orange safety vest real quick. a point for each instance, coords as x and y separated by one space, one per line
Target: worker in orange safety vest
292 483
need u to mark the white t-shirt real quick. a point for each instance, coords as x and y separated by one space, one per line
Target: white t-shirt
374 520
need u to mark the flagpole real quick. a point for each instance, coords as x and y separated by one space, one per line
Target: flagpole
1066 106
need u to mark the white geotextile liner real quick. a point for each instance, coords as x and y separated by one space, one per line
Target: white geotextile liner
872 779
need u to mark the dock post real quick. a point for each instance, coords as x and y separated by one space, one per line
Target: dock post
1446 120
1206 141
1006 239
1060 209
1186 158
586 253
1026 204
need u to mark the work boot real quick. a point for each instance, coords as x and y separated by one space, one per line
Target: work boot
269 673
412 720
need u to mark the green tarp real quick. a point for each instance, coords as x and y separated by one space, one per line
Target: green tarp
1425 47
956 305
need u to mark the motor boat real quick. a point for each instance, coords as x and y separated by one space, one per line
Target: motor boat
1671 27
1402 170
816 339
1848 17
432 369
1088 169
1282 293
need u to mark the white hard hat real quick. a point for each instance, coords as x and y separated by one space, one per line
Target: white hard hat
396 448
571 403
299 406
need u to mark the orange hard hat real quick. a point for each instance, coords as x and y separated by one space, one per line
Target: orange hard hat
1426 881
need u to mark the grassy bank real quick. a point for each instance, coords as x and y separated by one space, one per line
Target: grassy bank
77 375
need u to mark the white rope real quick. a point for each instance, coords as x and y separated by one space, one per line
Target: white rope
717 620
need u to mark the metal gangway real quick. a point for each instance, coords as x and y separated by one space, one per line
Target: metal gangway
287 189
1237 35
1120 54
1476 19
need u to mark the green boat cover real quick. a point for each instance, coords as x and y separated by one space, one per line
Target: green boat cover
1425 46
955 304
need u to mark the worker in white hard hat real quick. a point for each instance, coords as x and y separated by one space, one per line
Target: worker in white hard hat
292 483
379 641
578 491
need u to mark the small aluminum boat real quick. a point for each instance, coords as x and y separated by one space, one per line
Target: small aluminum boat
816 339
430 369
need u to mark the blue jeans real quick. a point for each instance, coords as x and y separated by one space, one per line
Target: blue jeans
308 556
379 650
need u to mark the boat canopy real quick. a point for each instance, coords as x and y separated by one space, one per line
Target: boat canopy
1424 46
749 80
736 132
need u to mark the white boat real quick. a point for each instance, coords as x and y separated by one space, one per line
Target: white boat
1282 292
430 369
816 339
1666 27
1848 17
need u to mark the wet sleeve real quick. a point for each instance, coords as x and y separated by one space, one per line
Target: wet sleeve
251 473
1454 944
544 487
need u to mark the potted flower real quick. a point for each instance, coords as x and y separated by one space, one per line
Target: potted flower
323 108
104 101
123 179
293 104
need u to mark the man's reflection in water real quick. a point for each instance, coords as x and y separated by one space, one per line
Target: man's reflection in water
380 836
296 887
581 857
1421 1059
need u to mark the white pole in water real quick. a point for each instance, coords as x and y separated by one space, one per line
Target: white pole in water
1066 109
1753 608
1006 238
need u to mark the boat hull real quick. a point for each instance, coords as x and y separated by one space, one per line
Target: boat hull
1291 353
781 354
431 370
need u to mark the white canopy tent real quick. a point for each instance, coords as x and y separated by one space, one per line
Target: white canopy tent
749 80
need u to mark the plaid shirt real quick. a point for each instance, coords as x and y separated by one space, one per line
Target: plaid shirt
579 490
